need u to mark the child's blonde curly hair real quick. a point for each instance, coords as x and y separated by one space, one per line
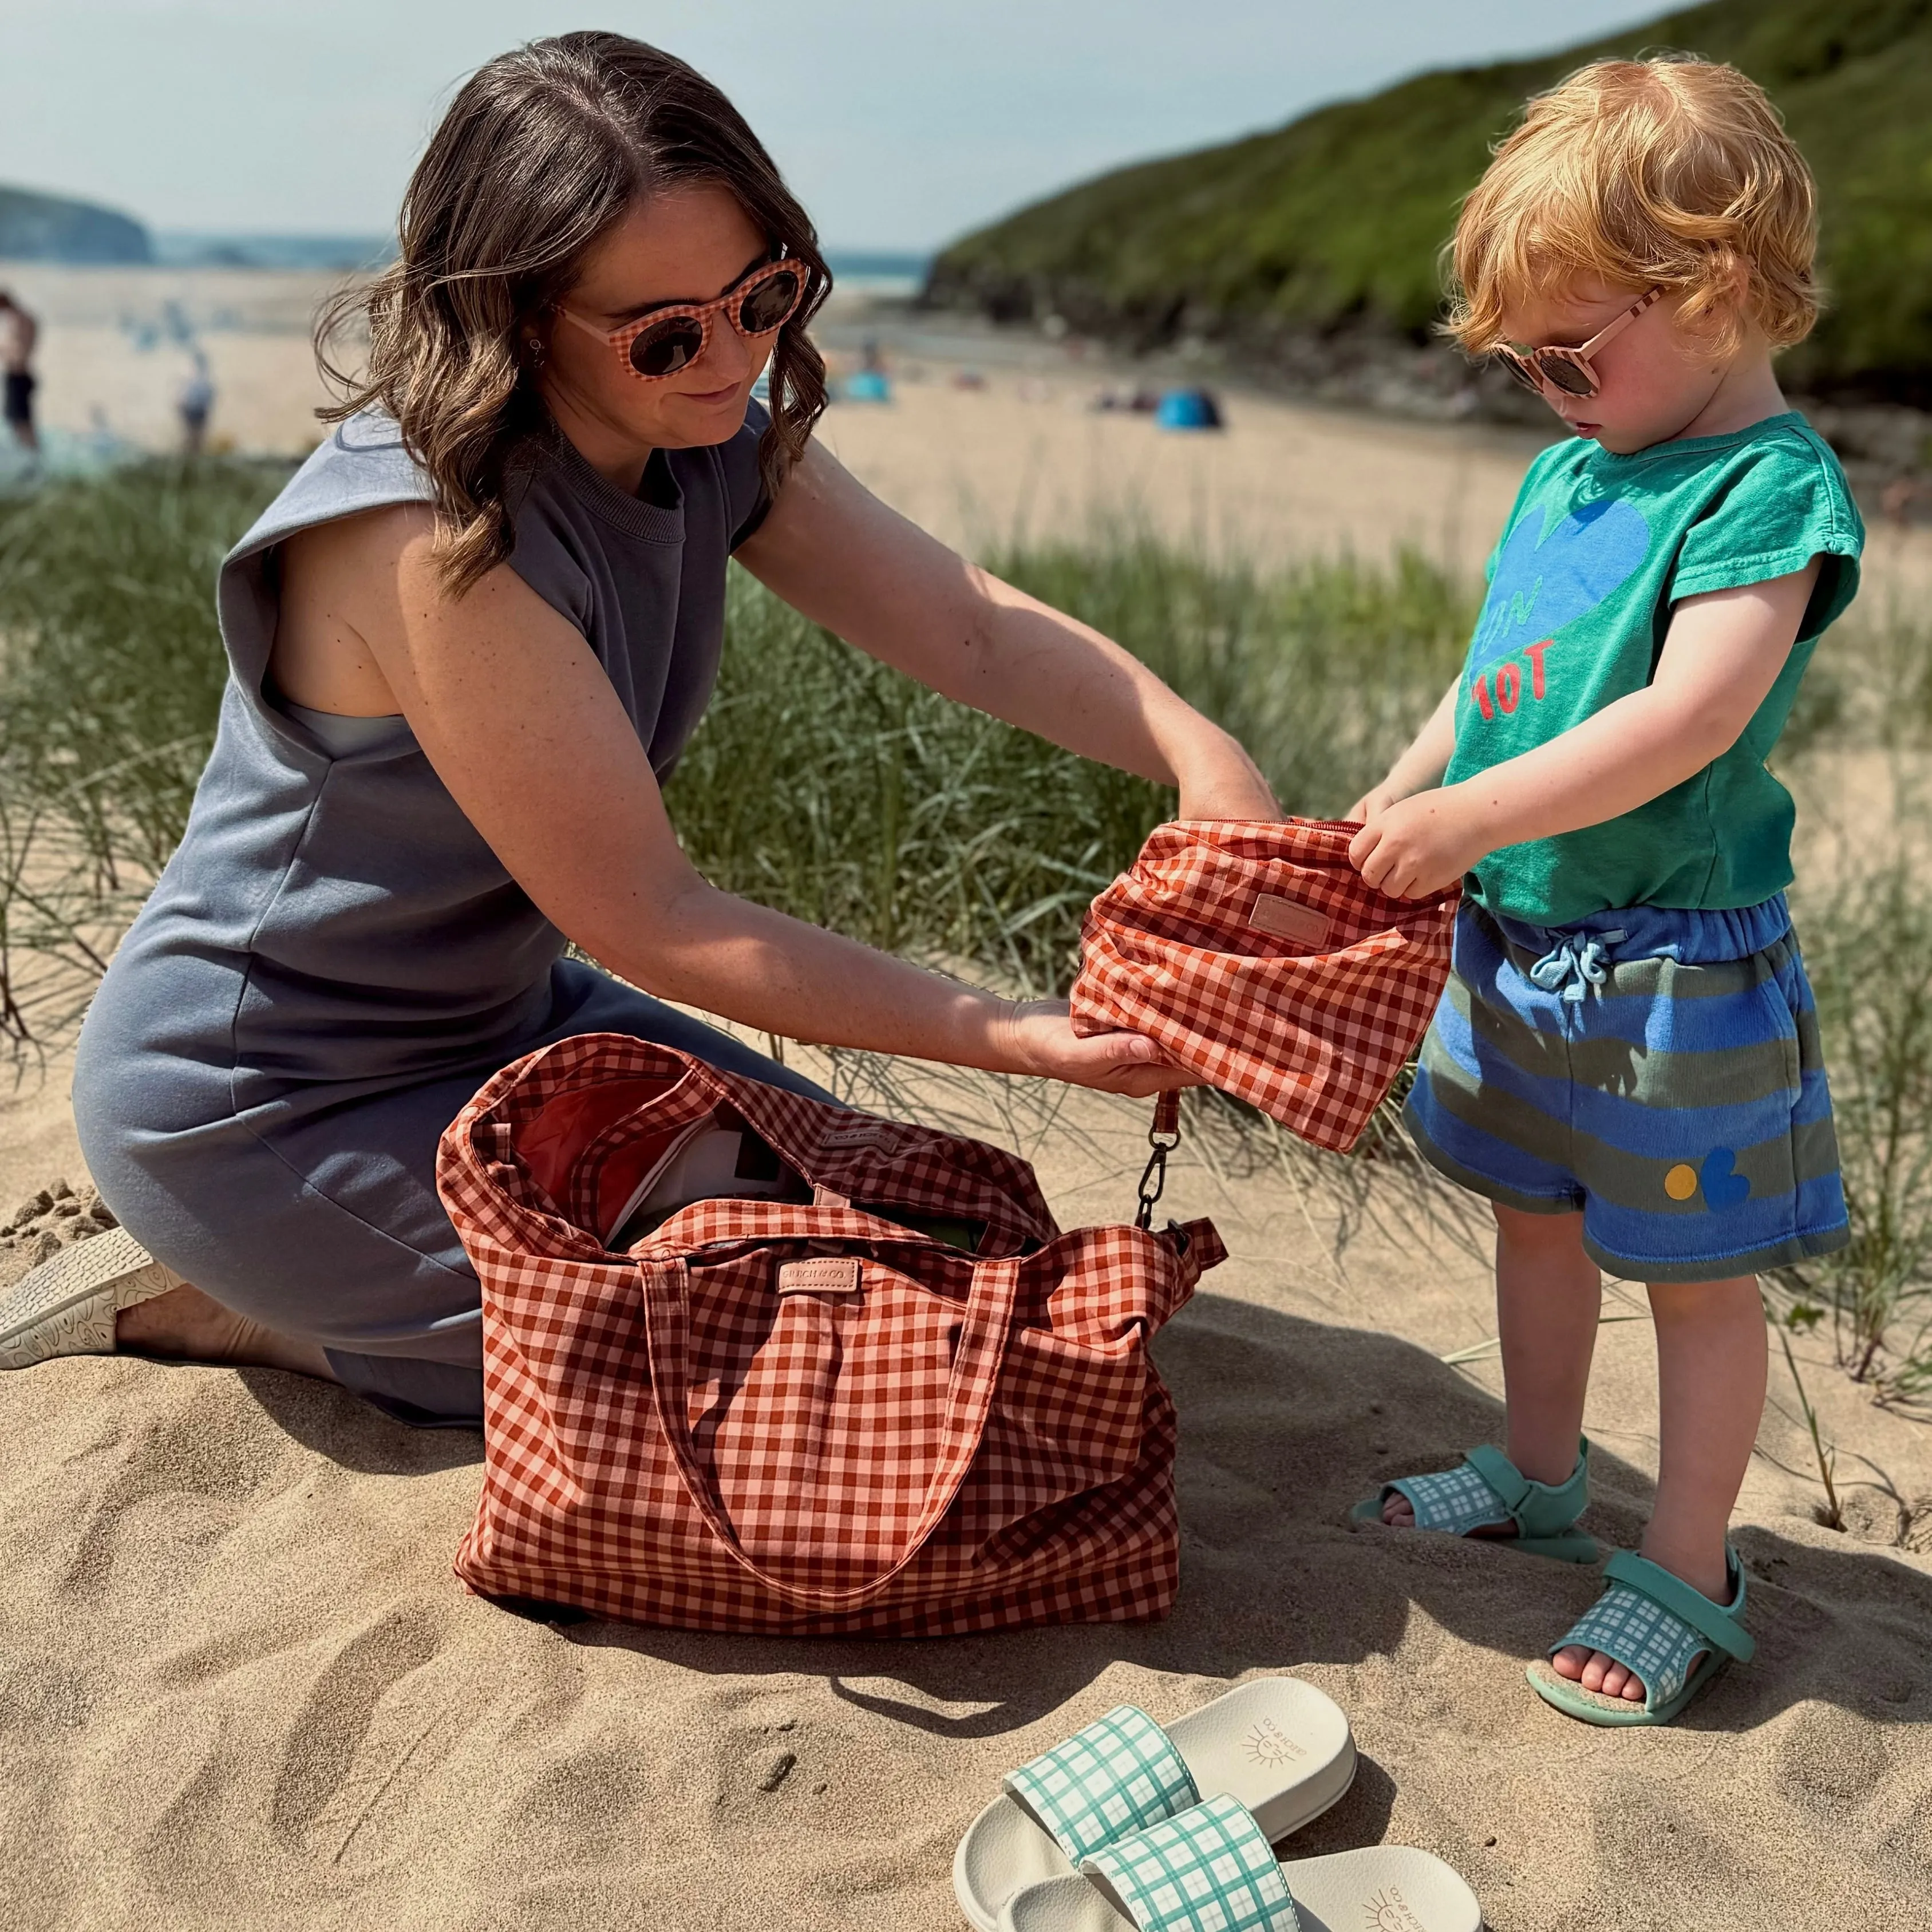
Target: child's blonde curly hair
1671 171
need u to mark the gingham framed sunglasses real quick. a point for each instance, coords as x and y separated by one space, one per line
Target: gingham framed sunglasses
669 339
1569 369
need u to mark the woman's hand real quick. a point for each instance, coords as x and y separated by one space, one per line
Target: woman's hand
1413 847
1038 1038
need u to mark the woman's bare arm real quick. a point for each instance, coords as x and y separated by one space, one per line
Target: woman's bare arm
513 710
832 550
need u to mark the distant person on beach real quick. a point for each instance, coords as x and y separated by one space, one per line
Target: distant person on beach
196 403
467 643
1626 1062
19 334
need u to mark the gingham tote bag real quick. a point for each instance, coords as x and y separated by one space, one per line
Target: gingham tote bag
803 1415
1254 955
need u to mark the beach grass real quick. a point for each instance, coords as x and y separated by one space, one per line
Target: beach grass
885 812
1868 950
834 788
111 672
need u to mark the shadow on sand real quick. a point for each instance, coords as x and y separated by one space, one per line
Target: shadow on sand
1284 1423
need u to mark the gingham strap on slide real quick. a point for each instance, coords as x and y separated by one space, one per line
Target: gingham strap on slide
1211 1870
1120 1774
1278 1745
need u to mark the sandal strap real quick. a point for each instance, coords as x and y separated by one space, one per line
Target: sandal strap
1120 1774
1654 1624
1486 1489
1451 1501
1722 1624
1537 1509
1209 1869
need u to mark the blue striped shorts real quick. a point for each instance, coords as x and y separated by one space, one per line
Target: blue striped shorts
1657 1069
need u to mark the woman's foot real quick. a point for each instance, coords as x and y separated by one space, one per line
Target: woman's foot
185 1325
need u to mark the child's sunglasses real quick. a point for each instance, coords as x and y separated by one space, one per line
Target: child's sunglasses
670 339
1569 370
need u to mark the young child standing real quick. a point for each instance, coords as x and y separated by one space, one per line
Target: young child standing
1626 1060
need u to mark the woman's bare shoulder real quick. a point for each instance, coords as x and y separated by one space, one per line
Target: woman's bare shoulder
342 585
350 556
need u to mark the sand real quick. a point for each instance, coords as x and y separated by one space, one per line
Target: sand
240 1686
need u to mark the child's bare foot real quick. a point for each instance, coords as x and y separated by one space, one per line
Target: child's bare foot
1399 1513
1595 1671
186 1325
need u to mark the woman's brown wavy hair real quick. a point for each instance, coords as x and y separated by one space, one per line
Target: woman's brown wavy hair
541 152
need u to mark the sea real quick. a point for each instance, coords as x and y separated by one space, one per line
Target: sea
859 270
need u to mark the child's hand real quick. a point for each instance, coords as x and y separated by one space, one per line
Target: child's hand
1413 847
1372 804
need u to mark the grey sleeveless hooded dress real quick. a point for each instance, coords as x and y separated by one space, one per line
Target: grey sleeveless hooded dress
333 961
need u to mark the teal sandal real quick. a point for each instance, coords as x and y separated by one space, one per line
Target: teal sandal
1488 1491
1653 1624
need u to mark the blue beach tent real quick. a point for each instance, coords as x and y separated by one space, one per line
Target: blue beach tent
1188 408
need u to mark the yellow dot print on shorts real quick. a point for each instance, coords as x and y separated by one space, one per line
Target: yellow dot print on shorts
1681 1183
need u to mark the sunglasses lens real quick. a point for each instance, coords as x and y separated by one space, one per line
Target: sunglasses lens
766 307
668 346
1519 368
1572 378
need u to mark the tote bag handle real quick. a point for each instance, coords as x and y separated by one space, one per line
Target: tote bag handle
970 1390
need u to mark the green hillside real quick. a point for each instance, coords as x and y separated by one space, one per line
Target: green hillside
1331 226
50 228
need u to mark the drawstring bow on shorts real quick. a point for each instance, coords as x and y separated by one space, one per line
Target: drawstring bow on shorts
1581 959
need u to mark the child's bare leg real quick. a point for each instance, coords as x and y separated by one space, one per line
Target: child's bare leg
1711 1378
1548 1294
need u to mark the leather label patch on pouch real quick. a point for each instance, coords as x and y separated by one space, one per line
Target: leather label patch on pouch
1289 918
828 1274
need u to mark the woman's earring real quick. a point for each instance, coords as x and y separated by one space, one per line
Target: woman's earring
533 351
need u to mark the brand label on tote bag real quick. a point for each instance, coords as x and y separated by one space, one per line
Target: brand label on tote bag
828 1274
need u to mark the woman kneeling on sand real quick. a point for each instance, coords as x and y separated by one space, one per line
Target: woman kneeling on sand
467 642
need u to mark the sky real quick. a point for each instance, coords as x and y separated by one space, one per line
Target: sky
899 123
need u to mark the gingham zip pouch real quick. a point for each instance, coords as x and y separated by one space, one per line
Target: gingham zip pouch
1253 954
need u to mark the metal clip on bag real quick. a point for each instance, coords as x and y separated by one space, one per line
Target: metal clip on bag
902 1402
1253 953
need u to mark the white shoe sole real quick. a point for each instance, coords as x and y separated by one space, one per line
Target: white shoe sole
67 1306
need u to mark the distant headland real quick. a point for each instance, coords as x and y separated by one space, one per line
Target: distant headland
1310 253
37 227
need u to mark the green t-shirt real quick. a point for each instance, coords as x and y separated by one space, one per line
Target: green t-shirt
1598 550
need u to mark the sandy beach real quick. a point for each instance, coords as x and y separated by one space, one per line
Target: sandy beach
239 1686
1022 454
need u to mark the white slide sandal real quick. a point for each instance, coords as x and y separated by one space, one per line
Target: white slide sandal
1278 1745
67 1306
1211 1870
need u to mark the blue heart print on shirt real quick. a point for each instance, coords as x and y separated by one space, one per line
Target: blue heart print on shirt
1544 581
